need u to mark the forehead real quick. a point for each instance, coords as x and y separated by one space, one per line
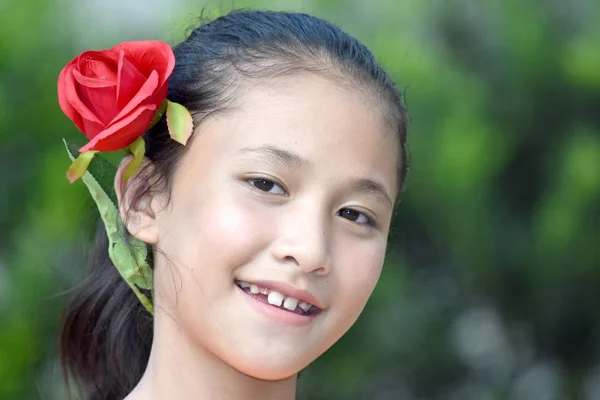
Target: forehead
337 129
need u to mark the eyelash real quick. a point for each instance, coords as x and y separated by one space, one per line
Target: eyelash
369 221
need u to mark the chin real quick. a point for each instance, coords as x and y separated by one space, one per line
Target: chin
272 374
271 369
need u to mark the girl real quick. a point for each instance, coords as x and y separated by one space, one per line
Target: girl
267 230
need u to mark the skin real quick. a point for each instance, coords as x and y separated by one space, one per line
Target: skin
222 224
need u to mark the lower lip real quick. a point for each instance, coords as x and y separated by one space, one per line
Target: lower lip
277 314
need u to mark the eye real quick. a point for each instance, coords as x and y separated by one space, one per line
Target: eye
356 216
266 185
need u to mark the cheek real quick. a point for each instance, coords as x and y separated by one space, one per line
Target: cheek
229 228
357 275
216 234
204 243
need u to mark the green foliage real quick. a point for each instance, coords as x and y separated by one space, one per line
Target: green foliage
101 169
491 286
131 265
180 122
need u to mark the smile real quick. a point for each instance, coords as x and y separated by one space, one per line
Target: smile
277 299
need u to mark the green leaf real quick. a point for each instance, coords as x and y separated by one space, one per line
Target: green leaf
138 149
130 260
159 113
80 165
179 122
103 171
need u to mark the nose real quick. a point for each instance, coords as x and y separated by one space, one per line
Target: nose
304 240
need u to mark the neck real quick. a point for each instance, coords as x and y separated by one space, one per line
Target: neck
180 369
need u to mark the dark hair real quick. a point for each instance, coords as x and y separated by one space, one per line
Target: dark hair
107 334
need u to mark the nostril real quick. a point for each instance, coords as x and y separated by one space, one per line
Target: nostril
291 259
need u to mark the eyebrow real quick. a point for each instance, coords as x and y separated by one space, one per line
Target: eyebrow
374 188
276 156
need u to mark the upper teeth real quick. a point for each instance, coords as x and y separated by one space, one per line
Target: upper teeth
275 298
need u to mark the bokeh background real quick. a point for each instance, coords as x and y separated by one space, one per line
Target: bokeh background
492 284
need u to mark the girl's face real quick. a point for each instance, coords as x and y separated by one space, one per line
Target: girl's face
292 192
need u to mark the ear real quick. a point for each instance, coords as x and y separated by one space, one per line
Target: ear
136 203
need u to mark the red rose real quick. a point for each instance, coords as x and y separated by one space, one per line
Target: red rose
113 95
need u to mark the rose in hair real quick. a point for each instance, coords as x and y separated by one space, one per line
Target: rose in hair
114 95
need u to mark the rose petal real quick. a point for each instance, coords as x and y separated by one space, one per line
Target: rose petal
91 129
81 111
147 89
102 102
129 81
97 76
100 64
125 131
75 101
64 104
62 86
94 82
148 56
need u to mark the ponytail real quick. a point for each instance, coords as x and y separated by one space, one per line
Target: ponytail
106 334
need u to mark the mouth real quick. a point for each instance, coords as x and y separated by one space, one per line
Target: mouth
278 300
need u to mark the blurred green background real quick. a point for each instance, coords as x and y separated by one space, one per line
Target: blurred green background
492 285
